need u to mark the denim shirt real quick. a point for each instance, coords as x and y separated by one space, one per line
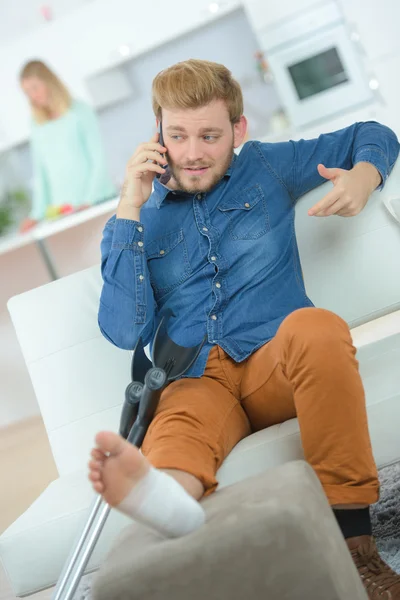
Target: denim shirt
225 262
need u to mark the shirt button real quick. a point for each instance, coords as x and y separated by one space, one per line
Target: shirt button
140 229
205 229
141 277
247 205
214 317
162 251
199 196
140 244
218 285
213 258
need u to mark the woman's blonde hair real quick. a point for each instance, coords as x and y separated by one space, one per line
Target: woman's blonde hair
60 97
194 83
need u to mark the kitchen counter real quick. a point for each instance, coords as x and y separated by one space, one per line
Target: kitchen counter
47 229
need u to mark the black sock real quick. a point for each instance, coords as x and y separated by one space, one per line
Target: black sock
353 522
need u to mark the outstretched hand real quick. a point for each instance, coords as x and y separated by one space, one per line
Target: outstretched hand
351 190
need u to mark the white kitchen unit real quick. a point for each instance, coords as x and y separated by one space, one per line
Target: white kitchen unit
318 70
376 24
265 14
386 72
94 37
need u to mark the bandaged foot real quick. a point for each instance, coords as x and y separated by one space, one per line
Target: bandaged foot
127 482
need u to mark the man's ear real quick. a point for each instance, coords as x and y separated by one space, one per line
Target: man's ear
239 131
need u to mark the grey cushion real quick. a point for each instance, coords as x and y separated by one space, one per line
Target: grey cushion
269 537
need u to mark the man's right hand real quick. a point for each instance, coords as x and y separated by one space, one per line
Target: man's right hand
140 172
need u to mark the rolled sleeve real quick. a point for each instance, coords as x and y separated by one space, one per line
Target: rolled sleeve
379 159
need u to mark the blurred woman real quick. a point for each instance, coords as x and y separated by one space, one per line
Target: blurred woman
68 162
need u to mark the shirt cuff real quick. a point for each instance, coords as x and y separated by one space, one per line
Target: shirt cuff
128 234
377 158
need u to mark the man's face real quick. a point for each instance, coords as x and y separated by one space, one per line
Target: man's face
200 144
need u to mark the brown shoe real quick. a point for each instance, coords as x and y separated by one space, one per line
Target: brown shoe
380 581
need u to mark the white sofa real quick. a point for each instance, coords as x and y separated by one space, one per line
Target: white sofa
351 266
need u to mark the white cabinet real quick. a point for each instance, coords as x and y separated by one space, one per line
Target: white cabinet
87 41
386 71
376 23
262 13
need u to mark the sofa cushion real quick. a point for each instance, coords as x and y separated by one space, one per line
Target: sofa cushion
35 547
272 536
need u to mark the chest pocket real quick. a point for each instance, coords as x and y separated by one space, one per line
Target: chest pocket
168 262
247 213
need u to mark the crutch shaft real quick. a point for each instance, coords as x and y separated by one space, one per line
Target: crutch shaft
70 563
87 552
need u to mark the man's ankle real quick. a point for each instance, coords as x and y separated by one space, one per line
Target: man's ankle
354 522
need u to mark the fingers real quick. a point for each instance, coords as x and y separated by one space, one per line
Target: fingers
147 155
328 173
319 209
144 168
149 147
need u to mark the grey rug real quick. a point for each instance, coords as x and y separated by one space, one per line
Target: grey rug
385 516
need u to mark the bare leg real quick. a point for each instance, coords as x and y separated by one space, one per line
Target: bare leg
192 485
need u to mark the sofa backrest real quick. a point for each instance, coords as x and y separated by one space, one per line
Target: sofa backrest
351 266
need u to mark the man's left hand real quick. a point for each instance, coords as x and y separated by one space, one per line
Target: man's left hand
351 190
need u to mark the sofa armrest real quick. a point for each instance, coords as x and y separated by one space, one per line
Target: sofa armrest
376 330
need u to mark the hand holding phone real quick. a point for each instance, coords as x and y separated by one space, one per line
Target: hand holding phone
146 162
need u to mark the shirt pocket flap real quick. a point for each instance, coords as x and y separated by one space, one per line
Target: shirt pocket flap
246 199
162 246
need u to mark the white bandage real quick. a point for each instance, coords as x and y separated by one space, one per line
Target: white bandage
161 502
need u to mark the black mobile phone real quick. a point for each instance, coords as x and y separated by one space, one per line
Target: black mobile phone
161 141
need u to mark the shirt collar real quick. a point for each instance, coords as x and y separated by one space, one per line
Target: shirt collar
161 191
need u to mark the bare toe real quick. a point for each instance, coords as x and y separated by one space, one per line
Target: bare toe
94 476
98 455
98 486
110 443
95 465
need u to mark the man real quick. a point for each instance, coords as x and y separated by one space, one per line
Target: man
214 241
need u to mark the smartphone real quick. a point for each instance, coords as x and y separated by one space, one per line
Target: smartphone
161 141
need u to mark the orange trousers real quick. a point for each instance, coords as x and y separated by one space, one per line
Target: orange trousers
309 371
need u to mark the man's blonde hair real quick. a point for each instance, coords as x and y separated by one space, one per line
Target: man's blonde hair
60 97
194 83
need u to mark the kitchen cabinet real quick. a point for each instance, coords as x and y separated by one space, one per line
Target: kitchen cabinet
262 14
376 24
386 71
97 36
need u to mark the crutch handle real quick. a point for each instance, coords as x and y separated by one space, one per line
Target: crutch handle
154 383
130 408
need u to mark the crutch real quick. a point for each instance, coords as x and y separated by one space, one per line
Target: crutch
148 380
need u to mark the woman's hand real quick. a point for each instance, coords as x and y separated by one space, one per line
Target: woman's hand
27 224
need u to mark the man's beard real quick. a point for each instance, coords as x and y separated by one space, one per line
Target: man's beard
193 189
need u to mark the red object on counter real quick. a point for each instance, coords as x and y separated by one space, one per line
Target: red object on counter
66 209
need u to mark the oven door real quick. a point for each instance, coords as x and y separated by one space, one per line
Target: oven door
319 76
